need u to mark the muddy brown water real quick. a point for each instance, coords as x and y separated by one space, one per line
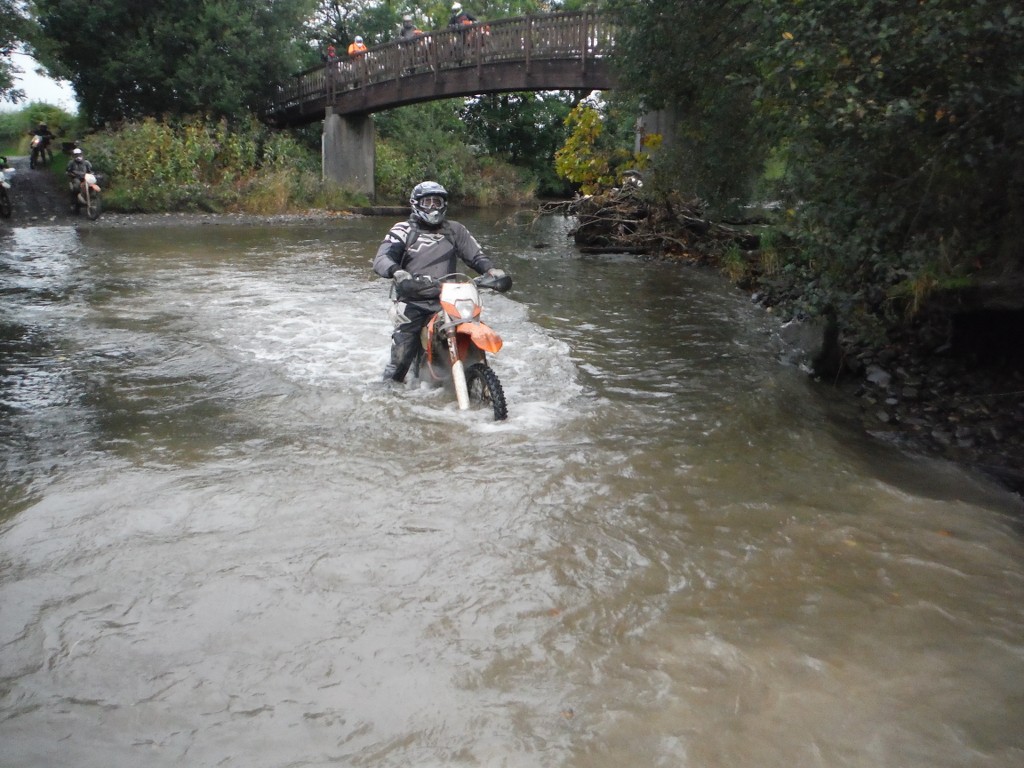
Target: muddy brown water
225 543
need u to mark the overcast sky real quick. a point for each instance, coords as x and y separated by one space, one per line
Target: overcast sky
38 88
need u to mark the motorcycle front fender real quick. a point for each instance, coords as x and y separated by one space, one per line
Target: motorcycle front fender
481 335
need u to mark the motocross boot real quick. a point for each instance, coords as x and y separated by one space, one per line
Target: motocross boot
404 348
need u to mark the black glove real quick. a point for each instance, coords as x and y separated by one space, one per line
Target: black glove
418 287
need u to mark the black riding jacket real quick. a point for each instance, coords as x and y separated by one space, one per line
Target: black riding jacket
433 252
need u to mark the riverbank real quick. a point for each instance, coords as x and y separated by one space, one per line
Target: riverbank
944 405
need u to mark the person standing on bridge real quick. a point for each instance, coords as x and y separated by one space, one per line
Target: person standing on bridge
409 29
357 47
412 54
332 61
414 251
460 18
356 50
459 21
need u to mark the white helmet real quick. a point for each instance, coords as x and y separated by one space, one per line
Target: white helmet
359 39
429 201
76 152
456 7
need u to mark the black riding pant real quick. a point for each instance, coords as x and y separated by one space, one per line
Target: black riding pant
405 341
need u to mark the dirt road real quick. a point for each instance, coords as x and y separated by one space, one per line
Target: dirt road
38 195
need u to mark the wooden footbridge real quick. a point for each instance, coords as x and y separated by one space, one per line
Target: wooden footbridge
549 52
557 51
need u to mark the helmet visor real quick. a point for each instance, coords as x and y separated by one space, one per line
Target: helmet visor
431 203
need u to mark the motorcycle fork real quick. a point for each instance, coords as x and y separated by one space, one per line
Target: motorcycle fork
458 346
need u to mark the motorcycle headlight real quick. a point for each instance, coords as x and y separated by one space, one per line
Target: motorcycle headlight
466 308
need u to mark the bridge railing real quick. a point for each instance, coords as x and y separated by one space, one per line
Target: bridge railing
580 35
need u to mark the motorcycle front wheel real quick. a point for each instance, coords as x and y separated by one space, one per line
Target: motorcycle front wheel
94 207
5 204
32 159
485 389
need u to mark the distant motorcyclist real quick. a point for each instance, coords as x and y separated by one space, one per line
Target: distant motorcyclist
43 130
76 171
46 137
414 251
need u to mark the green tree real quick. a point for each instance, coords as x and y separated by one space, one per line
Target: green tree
900 124
15 28
698 59
127 59
598 149
903 126
525 129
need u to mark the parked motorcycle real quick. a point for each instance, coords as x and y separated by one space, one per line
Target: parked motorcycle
456 342
5 188
40 151
88 196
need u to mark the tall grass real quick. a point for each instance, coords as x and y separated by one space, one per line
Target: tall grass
201 165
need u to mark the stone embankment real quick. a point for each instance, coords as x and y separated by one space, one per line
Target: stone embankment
949 407
950 402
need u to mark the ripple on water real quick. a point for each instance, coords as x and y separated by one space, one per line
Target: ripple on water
673 552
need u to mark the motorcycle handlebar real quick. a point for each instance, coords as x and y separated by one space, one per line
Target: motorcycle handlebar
498 284
424 287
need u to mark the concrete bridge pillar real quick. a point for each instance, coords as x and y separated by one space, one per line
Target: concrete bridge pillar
663 122
348 152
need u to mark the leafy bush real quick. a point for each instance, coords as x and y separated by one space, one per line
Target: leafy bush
196 164
890 131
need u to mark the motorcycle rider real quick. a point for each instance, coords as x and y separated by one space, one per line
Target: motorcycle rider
415 253
76 171
43 132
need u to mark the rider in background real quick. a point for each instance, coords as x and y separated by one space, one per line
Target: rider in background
415 253
76 171
43 130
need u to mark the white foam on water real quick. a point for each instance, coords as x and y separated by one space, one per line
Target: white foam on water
335 334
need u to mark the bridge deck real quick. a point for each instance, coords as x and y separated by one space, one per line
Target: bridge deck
558 51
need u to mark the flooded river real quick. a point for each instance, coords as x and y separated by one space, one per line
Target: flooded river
223 542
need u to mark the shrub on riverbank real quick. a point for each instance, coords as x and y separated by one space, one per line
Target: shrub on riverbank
428 141
155 166
199 165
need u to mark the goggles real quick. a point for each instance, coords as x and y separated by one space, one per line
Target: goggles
431 203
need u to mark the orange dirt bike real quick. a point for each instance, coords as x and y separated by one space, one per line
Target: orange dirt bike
88 196
456 342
